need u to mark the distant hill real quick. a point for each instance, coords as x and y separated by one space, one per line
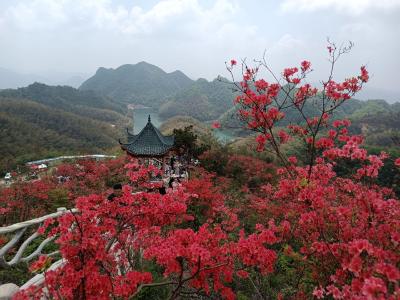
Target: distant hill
377 120
203 131
203 100
369 92
180 122
84 103
141 83
173 94
41 120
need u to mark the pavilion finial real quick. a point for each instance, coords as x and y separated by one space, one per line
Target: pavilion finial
149 119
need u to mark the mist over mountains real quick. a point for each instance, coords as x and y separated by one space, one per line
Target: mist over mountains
11 80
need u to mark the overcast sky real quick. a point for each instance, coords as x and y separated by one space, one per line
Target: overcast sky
197 37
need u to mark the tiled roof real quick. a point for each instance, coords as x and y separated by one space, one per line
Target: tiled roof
149 142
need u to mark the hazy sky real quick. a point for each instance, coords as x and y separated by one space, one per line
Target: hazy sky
197 37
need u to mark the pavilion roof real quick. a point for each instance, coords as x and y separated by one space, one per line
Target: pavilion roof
148 142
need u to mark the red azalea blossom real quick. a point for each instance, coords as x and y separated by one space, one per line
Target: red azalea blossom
288 73
397 162
40 263
261 84
364 74
305 66
216 125
318 293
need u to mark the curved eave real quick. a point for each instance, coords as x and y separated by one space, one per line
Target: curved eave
123 144
130 133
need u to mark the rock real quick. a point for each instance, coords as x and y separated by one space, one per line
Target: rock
8 290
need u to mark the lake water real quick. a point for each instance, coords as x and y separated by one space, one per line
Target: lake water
140 117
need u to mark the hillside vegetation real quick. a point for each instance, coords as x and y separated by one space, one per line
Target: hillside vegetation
180 122
85 103
141 83
40 120
377 120
202 100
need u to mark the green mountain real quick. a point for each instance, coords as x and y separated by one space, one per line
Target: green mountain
203 100
173 94
141 83
84 103
40 120
377 120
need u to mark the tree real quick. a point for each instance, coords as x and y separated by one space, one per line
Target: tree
334 220
186 142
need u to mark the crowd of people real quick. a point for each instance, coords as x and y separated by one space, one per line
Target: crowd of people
177 167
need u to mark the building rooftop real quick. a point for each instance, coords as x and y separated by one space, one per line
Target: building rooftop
148 142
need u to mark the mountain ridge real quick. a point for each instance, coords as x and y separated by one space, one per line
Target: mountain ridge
140 83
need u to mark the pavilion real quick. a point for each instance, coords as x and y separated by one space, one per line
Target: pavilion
149 144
